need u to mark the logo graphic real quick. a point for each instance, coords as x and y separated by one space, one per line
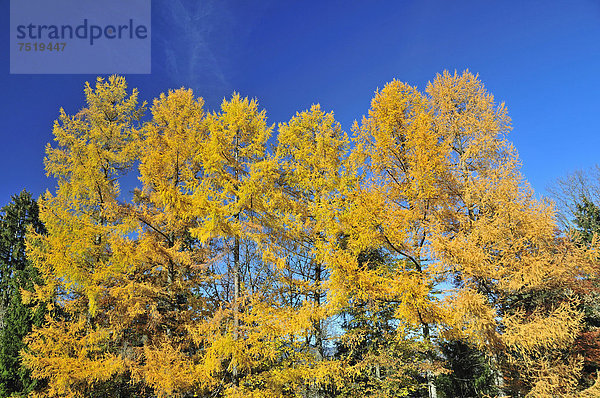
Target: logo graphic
80 36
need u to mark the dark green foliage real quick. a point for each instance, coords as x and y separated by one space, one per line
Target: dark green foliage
587 219
587 223
16 273
471 375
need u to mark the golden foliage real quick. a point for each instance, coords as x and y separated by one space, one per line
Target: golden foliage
221 272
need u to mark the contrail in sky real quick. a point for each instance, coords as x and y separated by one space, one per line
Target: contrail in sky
196 44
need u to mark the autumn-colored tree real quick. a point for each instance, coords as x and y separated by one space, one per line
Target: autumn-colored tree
442 193
402 162
499 242
234 196
86 252
311 152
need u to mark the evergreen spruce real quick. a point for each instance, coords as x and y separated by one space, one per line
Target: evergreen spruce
16 273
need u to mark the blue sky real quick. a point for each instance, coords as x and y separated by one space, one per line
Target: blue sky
542 58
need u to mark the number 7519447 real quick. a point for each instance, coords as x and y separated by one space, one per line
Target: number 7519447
35 46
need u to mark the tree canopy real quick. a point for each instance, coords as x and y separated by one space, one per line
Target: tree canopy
255 260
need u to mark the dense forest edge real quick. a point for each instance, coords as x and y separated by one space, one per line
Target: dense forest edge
194 253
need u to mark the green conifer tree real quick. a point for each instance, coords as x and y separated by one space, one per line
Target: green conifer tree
16 273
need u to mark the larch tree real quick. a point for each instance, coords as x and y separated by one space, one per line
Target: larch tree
85 251
232 198
164 293
499 244
443 195
402 162
311 152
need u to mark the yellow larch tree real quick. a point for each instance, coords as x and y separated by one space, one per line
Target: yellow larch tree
402 161
441 193
512 271
85 248
164 292
232 200
311 153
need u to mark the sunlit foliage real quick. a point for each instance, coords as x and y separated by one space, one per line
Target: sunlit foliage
253 261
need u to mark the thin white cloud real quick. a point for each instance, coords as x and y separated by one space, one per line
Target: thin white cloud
193 42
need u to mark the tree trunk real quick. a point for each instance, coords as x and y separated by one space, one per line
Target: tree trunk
236 267
431 389
317 322
236 300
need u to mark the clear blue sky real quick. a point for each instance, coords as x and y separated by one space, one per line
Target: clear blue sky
540 57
